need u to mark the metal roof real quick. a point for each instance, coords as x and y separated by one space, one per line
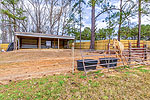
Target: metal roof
29 34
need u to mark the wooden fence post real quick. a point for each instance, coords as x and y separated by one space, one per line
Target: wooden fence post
39 43
129 53
108 48
145 52
72 57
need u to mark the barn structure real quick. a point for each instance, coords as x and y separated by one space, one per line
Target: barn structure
24 40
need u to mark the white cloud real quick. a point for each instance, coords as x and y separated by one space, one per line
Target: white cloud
145 20
100 24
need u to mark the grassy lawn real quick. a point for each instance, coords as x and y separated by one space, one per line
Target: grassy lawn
119 85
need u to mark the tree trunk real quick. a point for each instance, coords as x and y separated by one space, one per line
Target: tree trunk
92 45
59 18
14 19
139 26
109 27
120 20
39 20
80 22
4 32
64 21
10 33
51 17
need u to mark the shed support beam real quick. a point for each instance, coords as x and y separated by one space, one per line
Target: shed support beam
58 43
67 44
39 43
54 43
15 42
18 43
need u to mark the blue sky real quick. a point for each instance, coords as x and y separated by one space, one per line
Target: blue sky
99 23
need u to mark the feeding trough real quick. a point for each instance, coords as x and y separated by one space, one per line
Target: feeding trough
89 63
108 62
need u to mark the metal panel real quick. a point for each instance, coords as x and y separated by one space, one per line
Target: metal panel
43 35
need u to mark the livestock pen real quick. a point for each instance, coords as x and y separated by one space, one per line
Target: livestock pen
32 63
93 60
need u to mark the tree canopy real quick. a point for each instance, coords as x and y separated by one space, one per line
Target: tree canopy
67 17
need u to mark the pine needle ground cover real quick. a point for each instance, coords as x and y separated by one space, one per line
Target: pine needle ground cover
120 84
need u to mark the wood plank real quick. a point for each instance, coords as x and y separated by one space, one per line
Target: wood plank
15 43
39 43
54 43
18 43
58 43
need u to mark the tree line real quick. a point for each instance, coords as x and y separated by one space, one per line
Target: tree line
126 33
119 17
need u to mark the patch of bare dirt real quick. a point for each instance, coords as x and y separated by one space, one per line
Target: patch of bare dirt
32 63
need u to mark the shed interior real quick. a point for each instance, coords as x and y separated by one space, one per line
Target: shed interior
25 42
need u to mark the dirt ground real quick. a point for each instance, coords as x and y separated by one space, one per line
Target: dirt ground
34 63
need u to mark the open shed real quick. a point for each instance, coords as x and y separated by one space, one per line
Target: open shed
24 40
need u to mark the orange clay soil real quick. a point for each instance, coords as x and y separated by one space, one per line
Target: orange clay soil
29 63
34 63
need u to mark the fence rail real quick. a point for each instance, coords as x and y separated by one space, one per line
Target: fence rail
96 61
103 44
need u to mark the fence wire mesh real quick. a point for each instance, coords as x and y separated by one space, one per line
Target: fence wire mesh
93 60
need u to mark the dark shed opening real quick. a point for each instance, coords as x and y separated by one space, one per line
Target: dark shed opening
25 40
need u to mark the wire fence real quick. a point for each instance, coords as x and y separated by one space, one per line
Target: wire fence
23 68
93 60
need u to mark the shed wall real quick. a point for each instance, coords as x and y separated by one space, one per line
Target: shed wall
33 43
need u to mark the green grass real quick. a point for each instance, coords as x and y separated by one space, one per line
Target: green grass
128 84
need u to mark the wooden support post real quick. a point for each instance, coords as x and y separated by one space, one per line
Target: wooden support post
15 42
67 44
54 43
73 58
129 53
39 43
18 43
145 52
58 43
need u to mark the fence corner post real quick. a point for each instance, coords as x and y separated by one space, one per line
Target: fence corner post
73 58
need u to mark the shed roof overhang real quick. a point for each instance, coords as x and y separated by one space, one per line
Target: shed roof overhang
29 34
